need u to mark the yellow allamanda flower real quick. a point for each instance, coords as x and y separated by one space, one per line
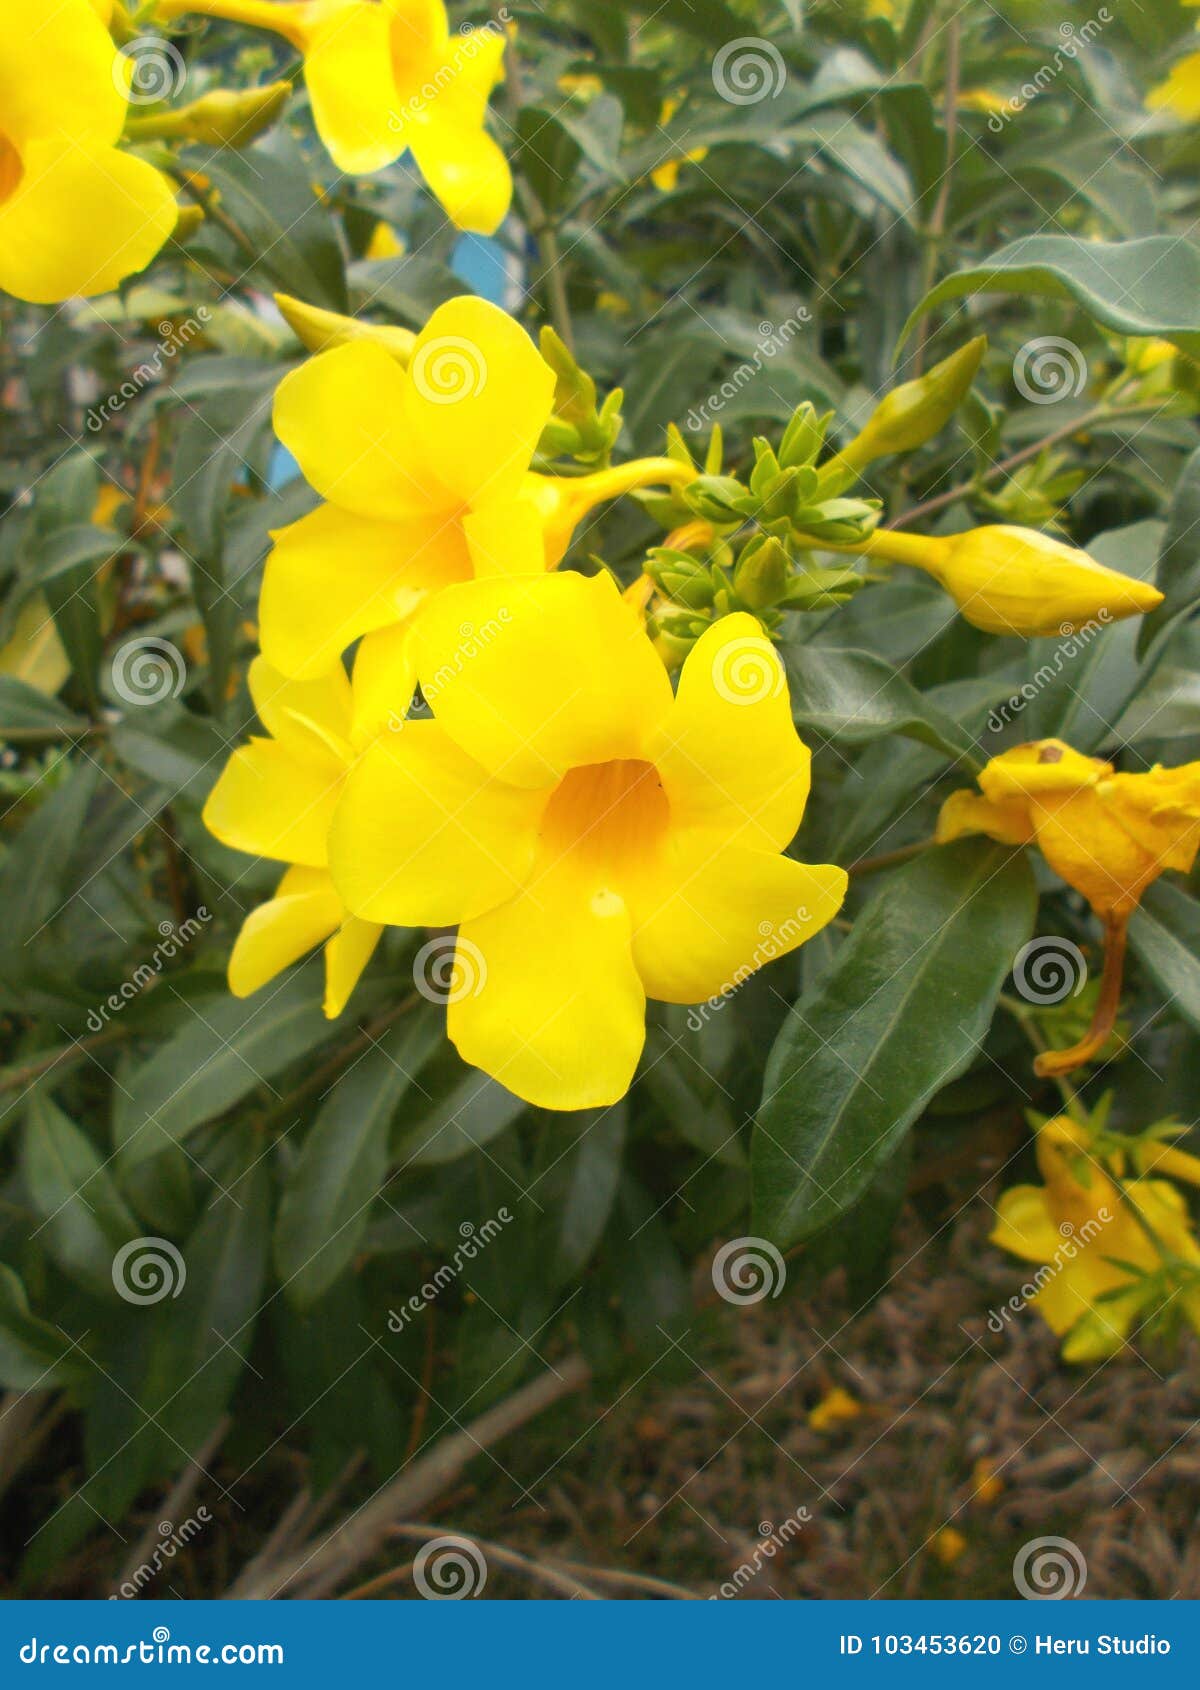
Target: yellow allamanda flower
596 839
1108 835
1180 93
276 798
388 76
425 471
76 214
1091 1237
1009 580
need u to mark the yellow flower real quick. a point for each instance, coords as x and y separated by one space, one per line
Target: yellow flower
1009 580
1180 93
384 242
834 1407
276 798
1108 835
1087 1235
76 215
666 175
426 474
948 1545
386 76
596 840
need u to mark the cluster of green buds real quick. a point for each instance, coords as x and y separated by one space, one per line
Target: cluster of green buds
749 544
578 428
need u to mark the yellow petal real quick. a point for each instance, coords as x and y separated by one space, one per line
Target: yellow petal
59 74
702 926
1045 768
1180 93
385 679
465 169
332 577
81 219
965 813
310 718
1025 1225
348 73
346 955
730 758
303 912
478 395
271 803
533 676
341 415
505 537
424 837
549 1002
1086 845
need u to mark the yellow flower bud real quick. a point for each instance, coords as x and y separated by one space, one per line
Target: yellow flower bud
1009 580
224 117
320 330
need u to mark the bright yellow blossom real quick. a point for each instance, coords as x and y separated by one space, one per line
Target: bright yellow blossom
1108 835
276 798
388 76
1180 93
426 474
1009 580
597 840
1086 1233
665 176
76 214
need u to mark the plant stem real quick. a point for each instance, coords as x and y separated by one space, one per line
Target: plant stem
888 859
937 222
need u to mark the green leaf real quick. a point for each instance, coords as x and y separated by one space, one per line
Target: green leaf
290 239
86 1219
34 1356
1164 935
854 697
476 1111
231 1047
26 713
580 1188
1179 560
323 1214
32 877
900 1013
1144 287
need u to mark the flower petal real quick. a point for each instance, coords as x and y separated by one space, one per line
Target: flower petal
310 718
385 680
81 219
532 676
505 537
304 911
424 837
341 415
332 577
477 397
59 74
348 73
730 758
1025 1225
466 171
346 955
271 803
555 1010
702 927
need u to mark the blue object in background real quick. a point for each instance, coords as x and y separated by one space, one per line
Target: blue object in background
486 268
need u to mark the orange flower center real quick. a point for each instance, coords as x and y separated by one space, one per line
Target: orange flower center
10 168
607 812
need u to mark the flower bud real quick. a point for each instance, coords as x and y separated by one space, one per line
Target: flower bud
320 330
915 411
225 117
1016 581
